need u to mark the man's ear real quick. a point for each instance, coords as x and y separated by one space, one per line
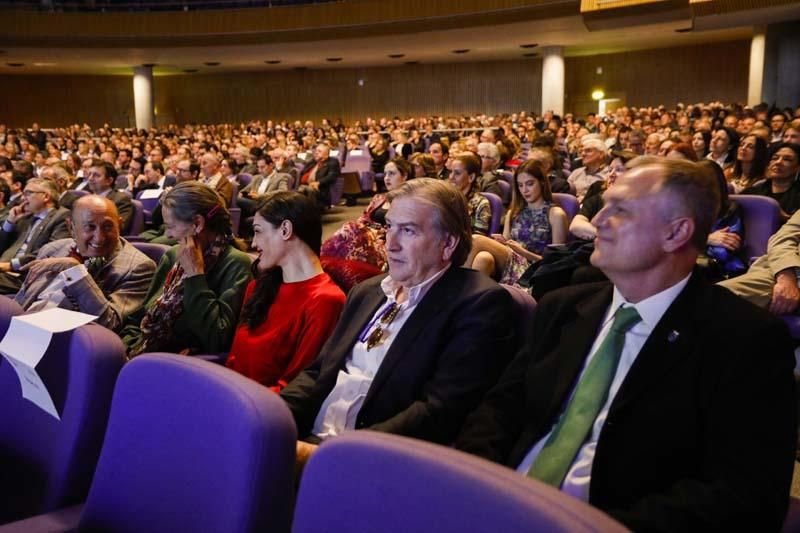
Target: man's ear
450 245
677 233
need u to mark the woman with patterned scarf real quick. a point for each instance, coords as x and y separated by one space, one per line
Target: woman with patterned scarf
192 306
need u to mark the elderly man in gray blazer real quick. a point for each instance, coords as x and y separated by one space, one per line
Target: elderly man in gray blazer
95 272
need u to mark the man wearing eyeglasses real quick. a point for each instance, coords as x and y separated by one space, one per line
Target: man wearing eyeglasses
414 350
29 226
490 160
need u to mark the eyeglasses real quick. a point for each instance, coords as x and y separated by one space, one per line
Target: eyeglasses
31 193
381 321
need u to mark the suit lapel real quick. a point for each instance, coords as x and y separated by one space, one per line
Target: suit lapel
670 342
574 344
366 309
39 229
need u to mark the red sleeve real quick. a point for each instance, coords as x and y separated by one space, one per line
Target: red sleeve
321 317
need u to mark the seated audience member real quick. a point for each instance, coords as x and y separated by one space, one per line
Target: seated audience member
186 170
464 171
266 181
414 351
364 239
581 225
490 159
781 183
229 169
723 147
723 254
533 222
630 396
750 167
701 142
682 151
545 157
153 178
16 184
211 176
593 155
29 226
292 306
792 132
284 166
319 175
379 154
204 275
440 153
423 165
771 281
95 272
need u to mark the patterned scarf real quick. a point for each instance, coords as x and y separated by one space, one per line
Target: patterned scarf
159 319
93 264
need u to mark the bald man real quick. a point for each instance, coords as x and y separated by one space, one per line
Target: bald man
94 272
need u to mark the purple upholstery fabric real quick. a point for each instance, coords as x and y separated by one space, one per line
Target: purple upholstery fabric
148 204
192 446
244 179
793 322
137 219
568 203
361 164
47 464
496 222
366 481
761 218
506 188
508 176
61 520
337 188
792 523
152 250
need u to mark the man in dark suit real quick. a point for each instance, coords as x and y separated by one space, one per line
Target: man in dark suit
102 177
319 175
682 419
414 351
29 226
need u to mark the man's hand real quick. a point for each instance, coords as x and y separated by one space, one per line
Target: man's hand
785 294
18 212
303 454
314 185
50 264
722 237
190 256
252 195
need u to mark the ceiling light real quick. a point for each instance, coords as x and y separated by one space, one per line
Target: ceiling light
531 45
683 30
15 64
333 59
149 65
44 64
461 51
190 70
272 61
412 62
530 54
212 63
396 56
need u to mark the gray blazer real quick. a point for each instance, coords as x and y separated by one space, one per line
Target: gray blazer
52 227
116 291
279 182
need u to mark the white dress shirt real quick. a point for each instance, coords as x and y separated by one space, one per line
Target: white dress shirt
340 409
651 309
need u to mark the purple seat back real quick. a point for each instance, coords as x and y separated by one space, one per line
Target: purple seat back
137 218
761 218
505 187
192 446
337 189
152 250
496 222
362 164
368 481
508 176
47 463
568 203
149 204
244 179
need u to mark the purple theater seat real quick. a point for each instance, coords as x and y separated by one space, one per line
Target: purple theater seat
152 250
192 446
244 179
793 323
148 204
337 189
46 463
568 203
496 222
508 176
137 219
505 187
761 218
362 164
367 481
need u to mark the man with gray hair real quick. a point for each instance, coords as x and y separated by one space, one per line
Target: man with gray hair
94 272
593 156
490 160
659 398
29 226
414 350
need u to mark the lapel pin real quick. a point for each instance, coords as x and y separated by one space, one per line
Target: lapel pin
673 336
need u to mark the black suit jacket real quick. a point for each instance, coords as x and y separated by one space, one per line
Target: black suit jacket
124 208
701 434
449 352
327 174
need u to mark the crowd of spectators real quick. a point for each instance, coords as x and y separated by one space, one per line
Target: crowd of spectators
420 341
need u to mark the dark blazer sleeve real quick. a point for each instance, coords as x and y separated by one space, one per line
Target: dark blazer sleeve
329 173
125 209
55 227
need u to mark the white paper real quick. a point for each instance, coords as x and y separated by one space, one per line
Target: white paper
26 342
150 194
356 152
334 153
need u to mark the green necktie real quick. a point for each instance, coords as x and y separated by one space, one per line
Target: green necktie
558 453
